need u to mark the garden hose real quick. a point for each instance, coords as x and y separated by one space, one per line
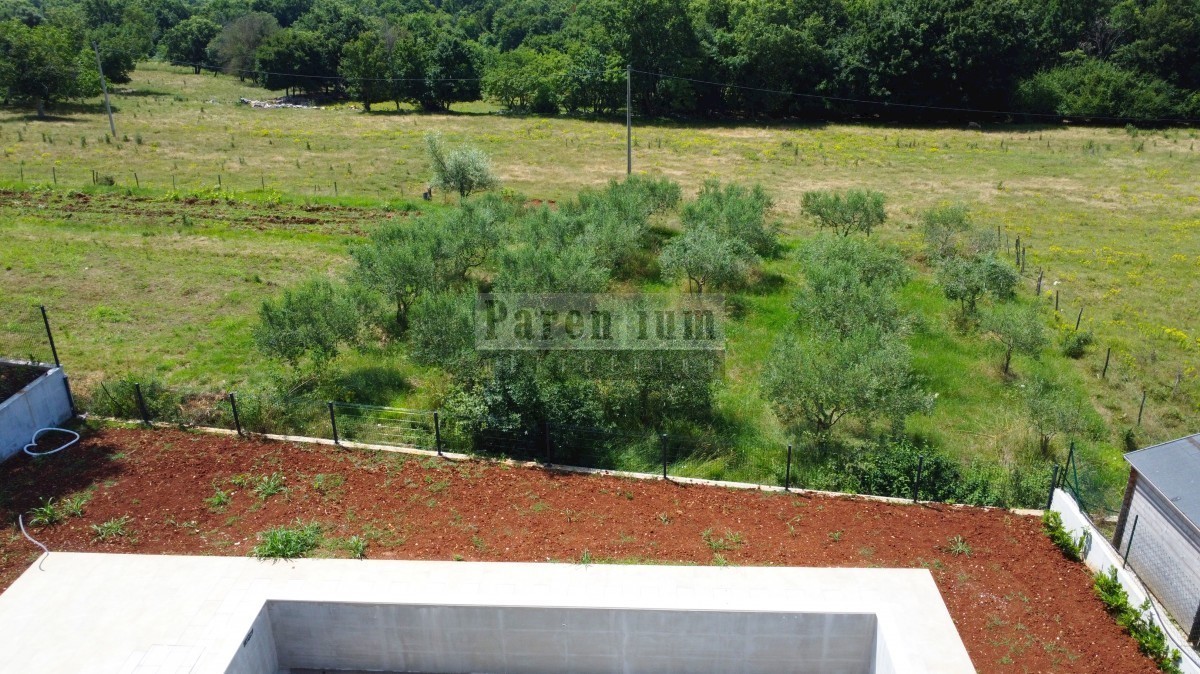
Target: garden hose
38 434
21 521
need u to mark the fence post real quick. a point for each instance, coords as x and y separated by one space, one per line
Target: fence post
437 433
70 398
1053 484
49 335
1041 275
917 483
333 422
237 422
137 389
1078 318
1194 634
1129 546
663 446
1107 355
787 479
1142 407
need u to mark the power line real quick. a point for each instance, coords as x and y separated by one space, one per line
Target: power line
725 85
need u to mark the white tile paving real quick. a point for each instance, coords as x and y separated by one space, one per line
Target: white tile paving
139 614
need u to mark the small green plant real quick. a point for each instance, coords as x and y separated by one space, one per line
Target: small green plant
835 536
288 542
113 528
357 547
267 486
45 515
586 557
958 546
1071 547
72 506
1152 641
730 540
324 483
219 500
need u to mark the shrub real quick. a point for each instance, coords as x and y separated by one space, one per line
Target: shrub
1150 637
1072 548
1075 343
1088 87
118 399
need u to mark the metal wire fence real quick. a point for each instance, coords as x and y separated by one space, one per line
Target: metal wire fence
1165 562
25 335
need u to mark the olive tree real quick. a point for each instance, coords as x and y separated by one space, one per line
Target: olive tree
311 320
735 211
850 284
464 169
1054 410
967 279
816 381
706 258
1019 328
845 212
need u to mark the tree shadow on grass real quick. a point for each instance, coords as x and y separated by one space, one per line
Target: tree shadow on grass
140 93
60 112
371 385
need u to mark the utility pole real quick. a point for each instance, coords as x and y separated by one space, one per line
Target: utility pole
628 120
104 87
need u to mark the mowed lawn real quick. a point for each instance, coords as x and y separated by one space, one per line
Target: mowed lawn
1111 216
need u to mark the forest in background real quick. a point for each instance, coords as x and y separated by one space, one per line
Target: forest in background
927 60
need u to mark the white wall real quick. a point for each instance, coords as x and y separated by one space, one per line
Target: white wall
42 403
552 640
1100 556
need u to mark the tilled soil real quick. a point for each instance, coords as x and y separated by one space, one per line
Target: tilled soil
1018 604
15 377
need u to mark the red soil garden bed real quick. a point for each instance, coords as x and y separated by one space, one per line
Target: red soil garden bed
1018 604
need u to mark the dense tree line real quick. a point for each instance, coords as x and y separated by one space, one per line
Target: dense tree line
1080 58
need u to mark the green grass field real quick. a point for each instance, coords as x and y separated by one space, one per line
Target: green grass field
139 280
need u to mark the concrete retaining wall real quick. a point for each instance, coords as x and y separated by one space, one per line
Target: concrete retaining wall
1100 556
44 402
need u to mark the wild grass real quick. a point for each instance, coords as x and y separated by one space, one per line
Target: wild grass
116 527
172 289
284 542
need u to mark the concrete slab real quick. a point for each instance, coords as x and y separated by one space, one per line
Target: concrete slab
143 613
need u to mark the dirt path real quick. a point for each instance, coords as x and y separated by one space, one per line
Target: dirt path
1019 605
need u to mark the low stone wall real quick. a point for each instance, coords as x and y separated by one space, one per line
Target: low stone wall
43 402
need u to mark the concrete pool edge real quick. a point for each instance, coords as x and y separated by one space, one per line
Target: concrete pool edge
143 613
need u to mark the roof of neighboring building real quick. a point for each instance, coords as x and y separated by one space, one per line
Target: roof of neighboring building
1174 469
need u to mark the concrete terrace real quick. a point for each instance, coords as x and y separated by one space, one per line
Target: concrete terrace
154 614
